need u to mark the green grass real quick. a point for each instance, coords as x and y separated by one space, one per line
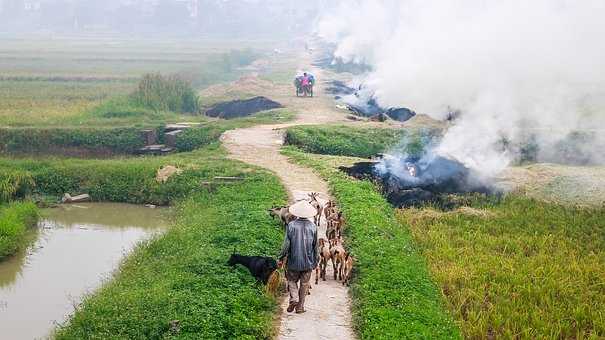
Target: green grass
182 275
357 141
393 294
15 218
109 141
522 268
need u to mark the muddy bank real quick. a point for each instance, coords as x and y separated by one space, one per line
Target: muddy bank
74 248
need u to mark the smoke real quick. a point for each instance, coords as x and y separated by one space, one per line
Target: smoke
513 69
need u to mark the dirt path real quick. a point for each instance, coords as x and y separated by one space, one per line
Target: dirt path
328 308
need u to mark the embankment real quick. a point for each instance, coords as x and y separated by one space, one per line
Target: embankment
15 218
393 294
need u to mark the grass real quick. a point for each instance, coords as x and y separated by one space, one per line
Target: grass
393 294
15 218
182 275
68 81
358 141
522 268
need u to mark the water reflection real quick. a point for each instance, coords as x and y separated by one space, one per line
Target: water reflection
75 247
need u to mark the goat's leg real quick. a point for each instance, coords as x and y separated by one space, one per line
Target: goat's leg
317 274
335 267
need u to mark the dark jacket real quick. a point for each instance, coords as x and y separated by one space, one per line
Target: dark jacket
300 245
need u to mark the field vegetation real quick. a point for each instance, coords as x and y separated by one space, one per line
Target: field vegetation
515 267
393 294
15 217
75 81
358 141
520 268
179 284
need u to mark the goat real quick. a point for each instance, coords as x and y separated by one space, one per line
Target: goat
337 222
260 267
338 254
348 269
324 257
315 203
329 208
282 213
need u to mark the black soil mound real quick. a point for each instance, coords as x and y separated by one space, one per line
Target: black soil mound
242 108
400 114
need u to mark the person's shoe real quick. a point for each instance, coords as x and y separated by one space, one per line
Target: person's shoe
300 310
291 306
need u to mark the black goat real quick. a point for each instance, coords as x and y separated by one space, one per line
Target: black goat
260 267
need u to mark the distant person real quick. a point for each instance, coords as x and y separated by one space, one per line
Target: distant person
300 248
306 80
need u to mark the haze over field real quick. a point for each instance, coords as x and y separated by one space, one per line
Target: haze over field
505 65
160 17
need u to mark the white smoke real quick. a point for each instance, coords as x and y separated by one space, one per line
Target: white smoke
506 65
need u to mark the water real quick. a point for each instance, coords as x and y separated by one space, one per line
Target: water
74 249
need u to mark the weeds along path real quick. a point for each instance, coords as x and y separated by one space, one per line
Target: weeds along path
328 308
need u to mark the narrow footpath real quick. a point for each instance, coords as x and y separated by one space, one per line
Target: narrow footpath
328 307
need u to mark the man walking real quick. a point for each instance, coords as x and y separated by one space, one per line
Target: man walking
300 248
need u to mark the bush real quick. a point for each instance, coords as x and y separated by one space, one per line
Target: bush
15 184
393 294
70 140
166 93
15 218
192 139
358 142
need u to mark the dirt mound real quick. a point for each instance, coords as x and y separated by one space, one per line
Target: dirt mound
242 108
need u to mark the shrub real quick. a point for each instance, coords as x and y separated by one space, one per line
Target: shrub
15 184
192 139
14 220
166 93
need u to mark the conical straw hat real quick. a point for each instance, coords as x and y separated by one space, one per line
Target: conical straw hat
302 209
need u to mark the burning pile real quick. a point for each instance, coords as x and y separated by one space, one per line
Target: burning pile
362 103
415 181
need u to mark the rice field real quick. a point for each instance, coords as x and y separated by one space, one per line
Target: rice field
59 81
519 268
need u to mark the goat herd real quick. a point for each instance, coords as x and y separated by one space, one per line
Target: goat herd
331 247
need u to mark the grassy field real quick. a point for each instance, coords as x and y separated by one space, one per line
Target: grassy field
393 294
358 141
518 269
64 82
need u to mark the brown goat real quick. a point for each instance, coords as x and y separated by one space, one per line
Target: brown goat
313 199
336 223
282 213
324 256
338 253
348 269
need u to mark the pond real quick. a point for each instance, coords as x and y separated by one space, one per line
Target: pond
74 249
